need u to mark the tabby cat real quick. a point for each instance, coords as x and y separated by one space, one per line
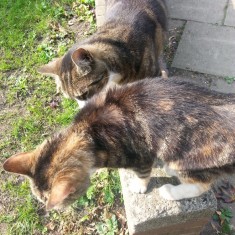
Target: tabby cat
126 48
191 129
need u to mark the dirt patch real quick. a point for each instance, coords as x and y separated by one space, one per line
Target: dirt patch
79 28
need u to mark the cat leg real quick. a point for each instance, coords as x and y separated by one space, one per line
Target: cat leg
163 68
139 183
182 191
169 171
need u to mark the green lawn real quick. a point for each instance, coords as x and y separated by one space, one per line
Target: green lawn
32 33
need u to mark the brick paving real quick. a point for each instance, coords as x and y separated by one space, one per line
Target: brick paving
208 41
207 48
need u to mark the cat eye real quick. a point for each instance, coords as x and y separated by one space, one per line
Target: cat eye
97 80
83 96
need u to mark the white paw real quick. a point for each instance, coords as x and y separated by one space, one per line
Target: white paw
137 186
164 74
169 171
166 192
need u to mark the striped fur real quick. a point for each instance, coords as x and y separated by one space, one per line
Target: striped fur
191 129
127 45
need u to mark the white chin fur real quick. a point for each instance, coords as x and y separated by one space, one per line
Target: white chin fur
81 103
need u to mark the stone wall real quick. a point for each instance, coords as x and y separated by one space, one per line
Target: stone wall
151 215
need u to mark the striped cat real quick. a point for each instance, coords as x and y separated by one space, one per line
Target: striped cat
190 129
126 48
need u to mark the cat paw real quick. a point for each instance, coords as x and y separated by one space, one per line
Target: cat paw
138 187
165 192
164 74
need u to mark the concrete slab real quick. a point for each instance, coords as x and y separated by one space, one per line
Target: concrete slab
100 2
146 212
209 11
207 48
100 20
100 8
230 14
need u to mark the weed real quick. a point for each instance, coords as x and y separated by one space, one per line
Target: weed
17 88
85 9
46 52
229 80
223 217
109 227
105 186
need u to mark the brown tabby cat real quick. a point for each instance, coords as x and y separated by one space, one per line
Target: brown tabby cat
126 48
191 129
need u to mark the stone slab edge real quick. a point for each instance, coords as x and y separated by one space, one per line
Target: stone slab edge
200 10
100 9
146 212
230 14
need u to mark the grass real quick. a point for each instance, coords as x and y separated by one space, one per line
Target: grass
28 221
32 33
105 187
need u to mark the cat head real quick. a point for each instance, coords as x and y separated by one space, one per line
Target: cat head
79 74
58 172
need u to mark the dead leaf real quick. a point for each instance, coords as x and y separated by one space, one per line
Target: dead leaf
225 192
51 226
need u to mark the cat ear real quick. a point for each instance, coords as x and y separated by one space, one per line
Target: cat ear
20 163
83 59
59 192
50 69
